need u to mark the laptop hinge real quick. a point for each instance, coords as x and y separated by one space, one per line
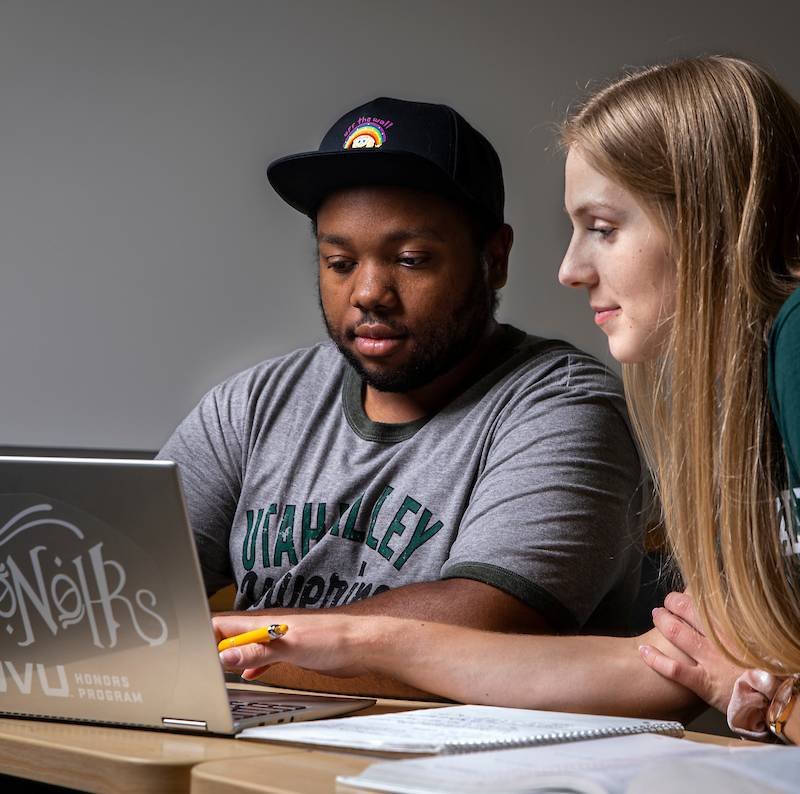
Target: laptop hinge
189 725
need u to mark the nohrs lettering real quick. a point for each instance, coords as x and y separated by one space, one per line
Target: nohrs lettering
44 589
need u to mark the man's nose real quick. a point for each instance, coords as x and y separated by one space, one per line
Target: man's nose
373 287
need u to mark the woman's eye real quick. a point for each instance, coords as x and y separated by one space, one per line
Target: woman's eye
603 231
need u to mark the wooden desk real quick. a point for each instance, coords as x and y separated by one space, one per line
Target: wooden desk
119 760
311 772
97 759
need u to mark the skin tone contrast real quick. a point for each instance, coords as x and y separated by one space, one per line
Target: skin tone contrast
406 296
598 674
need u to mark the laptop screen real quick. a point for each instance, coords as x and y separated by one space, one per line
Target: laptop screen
102 609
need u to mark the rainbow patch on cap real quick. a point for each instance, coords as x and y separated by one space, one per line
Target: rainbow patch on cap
365 136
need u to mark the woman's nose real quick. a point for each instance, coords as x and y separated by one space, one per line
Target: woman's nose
575 269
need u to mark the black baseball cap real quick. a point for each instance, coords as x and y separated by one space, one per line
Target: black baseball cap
400 143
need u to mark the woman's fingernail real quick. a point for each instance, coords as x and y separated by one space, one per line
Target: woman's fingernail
644 650
231 656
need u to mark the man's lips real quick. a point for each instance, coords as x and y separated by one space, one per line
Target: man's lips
377 341
603 314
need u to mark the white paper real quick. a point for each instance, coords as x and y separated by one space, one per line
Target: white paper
767 770
437 730
600 765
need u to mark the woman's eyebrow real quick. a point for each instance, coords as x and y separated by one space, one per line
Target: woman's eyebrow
588 207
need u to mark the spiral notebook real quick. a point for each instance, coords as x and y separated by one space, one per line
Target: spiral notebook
457 729
603 766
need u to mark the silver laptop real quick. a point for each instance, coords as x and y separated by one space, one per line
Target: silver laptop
103 614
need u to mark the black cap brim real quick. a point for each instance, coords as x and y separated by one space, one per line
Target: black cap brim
304 180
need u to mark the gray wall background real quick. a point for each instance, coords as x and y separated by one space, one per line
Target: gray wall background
143 256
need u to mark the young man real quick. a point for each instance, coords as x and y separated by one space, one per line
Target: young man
428 462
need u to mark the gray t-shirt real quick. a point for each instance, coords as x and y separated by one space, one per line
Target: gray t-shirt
528 481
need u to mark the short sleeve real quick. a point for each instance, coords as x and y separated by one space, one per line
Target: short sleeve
554 517
207 446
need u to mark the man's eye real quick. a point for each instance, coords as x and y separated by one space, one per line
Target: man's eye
413 260
340 265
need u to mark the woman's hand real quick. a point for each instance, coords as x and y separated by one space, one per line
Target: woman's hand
332 644
708 673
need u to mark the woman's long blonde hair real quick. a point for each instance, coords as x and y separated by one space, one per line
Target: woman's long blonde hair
711 146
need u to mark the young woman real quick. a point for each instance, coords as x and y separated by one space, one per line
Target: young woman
683 187
709 151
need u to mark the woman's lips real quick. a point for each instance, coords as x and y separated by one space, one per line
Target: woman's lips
604 314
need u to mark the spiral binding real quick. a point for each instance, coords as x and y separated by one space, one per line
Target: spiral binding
559 737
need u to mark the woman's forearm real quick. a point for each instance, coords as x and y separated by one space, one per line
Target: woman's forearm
604 675
594 674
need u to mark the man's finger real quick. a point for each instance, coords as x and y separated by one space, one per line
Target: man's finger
681 604
229 625
254 672
252 655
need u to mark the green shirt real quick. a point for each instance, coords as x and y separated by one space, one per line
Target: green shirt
783 384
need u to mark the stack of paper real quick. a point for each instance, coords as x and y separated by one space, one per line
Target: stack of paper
624 765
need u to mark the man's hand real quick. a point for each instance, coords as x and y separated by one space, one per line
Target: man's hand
341 641
330 644
707 673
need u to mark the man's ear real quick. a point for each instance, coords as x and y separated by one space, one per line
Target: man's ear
497 251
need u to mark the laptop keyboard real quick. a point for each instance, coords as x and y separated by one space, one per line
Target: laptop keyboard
255 708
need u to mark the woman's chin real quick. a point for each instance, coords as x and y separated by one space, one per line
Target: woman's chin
627 351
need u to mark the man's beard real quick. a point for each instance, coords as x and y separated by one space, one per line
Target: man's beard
436 347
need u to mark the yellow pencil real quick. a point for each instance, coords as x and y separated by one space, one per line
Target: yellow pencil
266 634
